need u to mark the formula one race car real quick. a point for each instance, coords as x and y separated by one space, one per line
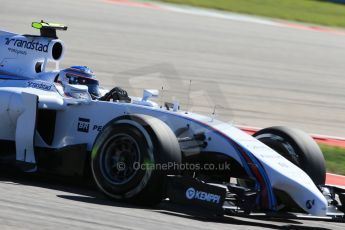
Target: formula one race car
60 122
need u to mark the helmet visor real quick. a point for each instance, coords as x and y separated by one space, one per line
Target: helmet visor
92 84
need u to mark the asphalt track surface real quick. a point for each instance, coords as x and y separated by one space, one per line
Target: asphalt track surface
257 75
52 203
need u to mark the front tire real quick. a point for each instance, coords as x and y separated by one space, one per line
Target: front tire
125 157
298 147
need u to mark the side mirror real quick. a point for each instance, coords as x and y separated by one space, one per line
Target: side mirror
148 93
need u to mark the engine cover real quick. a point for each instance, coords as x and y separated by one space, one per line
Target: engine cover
27 55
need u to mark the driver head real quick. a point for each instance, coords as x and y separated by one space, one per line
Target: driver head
80 75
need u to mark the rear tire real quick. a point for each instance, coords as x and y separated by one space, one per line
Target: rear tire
125 154
298 147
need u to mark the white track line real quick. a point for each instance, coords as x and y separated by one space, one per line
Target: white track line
247 18
219 14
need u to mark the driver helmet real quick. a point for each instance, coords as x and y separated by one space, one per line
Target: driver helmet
80 75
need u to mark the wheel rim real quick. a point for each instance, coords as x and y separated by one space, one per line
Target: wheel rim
119 157
281 146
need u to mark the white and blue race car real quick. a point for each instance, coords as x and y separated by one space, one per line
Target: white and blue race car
139 151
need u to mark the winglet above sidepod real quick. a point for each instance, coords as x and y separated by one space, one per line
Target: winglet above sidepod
48 29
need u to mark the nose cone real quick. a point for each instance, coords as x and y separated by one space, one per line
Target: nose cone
304 192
